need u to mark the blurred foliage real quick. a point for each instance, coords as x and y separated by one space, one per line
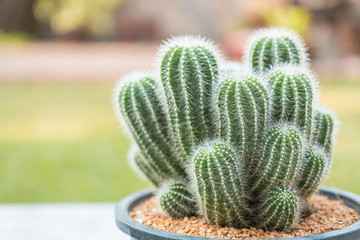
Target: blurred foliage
68 15
14 37
295 17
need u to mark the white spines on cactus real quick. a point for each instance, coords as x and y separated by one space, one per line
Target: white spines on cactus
189 76
240 146
280 159
325 129
315 166
271 46
176 200
292 90
138 105
219 181
242 102
145 168
230 68
279 210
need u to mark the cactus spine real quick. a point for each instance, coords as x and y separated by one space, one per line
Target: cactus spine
240 146
269 47
242 106
177 201
220 184
189 75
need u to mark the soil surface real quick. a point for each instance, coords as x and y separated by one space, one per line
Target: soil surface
328 215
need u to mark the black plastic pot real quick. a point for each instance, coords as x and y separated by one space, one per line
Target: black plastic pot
140 231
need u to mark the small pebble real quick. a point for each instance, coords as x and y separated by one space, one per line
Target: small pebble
328 215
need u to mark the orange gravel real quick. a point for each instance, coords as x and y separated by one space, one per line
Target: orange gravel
328 215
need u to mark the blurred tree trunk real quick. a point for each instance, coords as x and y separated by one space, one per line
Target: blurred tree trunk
17 15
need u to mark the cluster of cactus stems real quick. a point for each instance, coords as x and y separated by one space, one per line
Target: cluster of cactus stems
239 144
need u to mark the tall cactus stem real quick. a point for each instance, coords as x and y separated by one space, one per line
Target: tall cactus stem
292 95
139 106
243 110
189 75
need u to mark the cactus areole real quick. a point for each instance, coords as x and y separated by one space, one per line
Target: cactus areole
242 145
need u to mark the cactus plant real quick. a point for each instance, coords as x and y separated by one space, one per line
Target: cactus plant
273 46
240 145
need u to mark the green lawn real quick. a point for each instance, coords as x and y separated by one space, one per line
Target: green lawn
61 142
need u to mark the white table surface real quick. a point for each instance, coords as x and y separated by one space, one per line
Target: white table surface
55 221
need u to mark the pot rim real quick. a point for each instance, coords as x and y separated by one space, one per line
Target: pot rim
137 230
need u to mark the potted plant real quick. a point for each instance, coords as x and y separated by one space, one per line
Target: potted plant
240 145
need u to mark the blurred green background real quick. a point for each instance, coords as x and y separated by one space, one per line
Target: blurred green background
59 59
61 142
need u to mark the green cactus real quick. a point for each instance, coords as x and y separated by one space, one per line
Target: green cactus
189 75
147 169
315 166
280 159
242 103
280 209
241 147
177 201
291 93
141 109
220 184
323 133
273 46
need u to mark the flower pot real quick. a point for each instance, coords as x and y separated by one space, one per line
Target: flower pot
140 231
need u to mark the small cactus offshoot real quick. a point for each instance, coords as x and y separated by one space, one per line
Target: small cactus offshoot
279 210
315 167
242 145
220 184
323 134
176 200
